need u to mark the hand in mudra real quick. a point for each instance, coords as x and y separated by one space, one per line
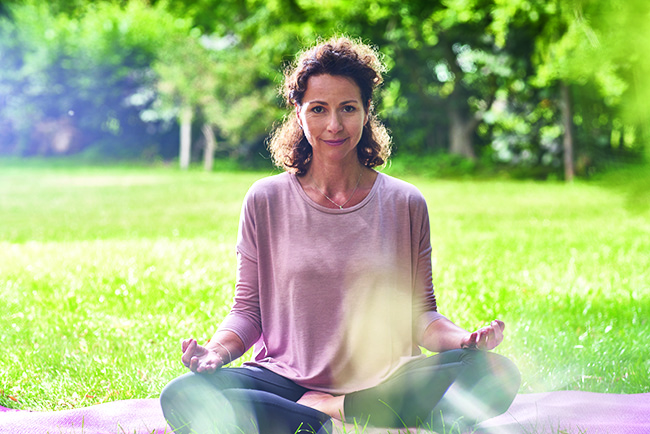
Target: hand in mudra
198 358
485 338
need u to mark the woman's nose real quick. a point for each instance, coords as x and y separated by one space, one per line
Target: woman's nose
335 125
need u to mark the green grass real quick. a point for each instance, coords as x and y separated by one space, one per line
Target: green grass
104 269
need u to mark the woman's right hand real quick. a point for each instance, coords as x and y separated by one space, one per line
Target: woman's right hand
198 358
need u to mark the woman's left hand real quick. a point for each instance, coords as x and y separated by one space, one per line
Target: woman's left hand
485 338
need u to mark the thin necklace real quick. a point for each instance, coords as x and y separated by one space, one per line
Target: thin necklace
328 198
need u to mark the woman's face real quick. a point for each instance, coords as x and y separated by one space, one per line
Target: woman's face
332 116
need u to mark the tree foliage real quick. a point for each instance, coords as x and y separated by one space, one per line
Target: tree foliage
477 78
73 82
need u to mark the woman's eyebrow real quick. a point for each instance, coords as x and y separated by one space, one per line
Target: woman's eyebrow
353 101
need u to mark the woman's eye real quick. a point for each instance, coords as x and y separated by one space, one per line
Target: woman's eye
349 109
318 109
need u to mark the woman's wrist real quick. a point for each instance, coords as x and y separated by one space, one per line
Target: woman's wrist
222 351
226 361
227 344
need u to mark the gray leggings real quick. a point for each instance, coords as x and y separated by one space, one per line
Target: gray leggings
455 388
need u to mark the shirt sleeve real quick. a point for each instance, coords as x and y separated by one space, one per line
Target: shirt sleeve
244 318
427 307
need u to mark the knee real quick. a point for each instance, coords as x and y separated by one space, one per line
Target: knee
180 391
505 382
507 371
495 370
496 365
172 391
173 403
193 403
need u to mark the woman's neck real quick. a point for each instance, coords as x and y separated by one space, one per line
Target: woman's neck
338 186
335 179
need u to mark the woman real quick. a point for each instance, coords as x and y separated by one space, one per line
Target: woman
334 286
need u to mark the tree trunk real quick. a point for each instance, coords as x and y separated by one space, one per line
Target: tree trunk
461 133
186 137
210 146
567 142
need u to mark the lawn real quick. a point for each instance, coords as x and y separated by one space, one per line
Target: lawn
103 270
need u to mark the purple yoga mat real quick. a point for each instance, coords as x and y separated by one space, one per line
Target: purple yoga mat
535 413
134 416
573 412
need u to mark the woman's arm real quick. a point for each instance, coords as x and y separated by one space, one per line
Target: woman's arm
443 335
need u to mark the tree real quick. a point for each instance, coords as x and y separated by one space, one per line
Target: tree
580 50
447 67
624 39
187 81
223 84
88 73
491 79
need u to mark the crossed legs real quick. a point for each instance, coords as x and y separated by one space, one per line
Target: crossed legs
239 400
454 388
458 387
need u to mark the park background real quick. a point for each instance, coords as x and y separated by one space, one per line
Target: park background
130 131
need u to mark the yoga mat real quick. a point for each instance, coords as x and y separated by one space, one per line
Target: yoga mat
573 412
133 416
561 412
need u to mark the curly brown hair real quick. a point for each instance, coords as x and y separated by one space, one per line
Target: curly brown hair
339 56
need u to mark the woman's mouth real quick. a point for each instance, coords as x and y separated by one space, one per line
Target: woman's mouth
338 142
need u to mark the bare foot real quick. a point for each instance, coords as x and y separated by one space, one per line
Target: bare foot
321 401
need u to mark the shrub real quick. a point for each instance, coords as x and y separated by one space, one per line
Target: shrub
68 82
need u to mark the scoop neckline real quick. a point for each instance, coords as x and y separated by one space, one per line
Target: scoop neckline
305 197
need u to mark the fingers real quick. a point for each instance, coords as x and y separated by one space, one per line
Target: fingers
498 327
486 338
194 364
189 347
470 341
209 363
184 344
197 359
206 367
483 339
492 335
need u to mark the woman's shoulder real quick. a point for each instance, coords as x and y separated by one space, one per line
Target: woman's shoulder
400 187
271 183
269 186
403 197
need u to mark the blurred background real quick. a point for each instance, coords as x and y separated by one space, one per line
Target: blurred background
532 88
109 254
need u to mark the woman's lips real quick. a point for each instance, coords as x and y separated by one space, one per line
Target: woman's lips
334 142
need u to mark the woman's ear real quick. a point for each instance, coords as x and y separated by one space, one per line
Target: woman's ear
297 107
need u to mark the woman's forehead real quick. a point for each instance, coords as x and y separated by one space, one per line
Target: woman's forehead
331 87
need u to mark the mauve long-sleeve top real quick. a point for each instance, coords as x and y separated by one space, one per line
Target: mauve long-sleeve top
335 300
